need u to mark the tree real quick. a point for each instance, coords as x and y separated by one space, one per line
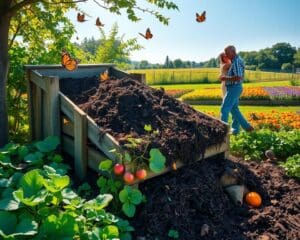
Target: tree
144 64
287 67
283 53
12 10
297 58
114 49
166 65
178 63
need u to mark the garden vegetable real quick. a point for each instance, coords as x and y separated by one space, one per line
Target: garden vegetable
253 199
119 169
128 177
141 174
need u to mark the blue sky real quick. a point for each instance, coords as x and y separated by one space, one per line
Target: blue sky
248 24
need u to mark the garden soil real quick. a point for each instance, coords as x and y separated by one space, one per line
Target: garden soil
122 107
192 201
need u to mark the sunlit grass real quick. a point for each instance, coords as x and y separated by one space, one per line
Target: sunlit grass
216 85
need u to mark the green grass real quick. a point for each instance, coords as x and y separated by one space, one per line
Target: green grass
205 75
216 85
247 109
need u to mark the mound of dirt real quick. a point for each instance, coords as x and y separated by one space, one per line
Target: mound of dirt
122 107
192 202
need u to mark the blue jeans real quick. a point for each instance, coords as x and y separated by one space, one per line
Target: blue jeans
230 104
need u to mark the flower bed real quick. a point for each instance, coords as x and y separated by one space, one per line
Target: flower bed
275 120
249 93
283 93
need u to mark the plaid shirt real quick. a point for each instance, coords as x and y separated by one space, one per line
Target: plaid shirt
237 69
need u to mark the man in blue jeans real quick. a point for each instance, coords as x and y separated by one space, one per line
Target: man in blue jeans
234 80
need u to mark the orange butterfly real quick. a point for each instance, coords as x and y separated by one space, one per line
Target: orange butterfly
148 34
104 76
202 17
80 17
67 62
99 23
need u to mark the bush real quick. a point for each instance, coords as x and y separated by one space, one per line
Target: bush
252 145
292 166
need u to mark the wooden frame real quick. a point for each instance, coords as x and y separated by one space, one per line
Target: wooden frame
49 108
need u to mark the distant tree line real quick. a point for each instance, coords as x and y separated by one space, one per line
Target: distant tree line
280 57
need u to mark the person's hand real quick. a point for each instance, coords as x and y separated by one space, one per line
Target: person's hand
222 78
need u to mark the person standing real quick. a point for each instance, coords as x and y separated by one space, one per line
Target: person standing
225 64
233 82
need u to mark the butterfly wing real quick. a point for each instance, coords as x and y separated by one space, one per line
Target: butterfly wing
202 17
67 62
143 35
149 35
104 76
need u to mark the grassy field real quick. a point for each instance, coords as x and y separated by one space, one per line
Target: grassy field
206 75
216 85
247 109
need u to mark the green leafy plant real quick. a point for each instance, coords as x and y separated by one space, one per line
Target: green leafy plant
129 198
173 234
36 200
292 166
253 145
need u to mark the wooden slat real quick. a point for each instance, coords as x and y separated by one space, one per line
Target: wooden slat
80 141
94 157
52 107
37 79
30 105
38 113
104 142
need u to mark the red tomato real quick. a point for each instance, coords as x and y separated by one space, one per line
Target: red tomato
119 169
128 177
141 174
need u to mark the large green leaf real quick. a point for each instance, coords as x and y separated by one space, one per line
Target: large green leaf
128 209
32 182
34 158
105 165
124 195
12 225
56 183
157 160
136 196
100 202
63 226
9 203
48 145
31 201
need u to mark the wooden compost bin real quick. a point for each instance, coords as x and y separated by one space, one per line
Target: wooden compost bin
54 114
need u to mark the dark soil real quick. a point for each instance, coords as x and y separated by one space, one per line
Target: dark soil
192 199
122 107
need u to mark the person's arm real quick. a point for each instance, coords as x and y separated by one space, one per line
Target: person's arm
238 72
230 78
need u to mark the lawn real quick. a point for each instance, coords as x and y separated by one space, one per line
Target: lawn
214 85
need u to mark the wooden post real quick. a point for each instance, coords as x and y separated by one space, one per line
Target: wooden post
52 116
80 143
37 113
30 105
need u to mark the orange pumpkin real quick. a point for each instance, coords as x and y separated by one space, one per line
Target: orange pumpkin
253 199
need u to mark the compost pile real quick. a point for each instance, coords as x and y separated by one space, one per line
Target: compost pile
122 107
192 202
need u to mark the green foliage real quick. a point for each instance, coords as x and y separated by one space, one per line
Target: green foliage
29 29
114 49
173 234
36 201
253 145
292 166
129 198
157 160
